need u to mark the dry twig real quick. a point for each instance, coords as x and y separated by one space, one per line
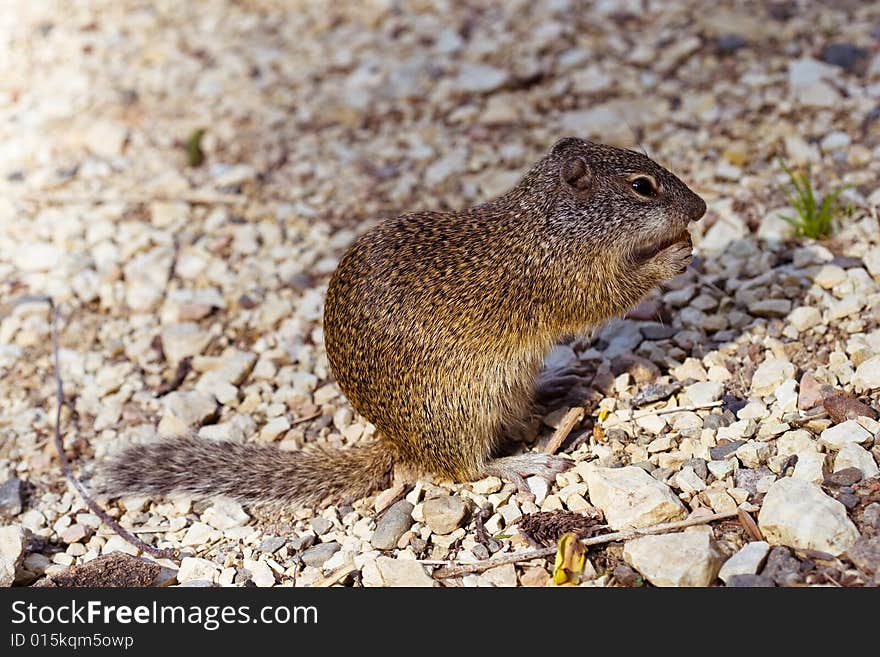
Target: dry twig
568 422
59 444
451 569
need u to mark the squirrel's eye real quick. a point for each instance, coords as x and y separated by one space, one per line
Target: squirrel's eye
644 186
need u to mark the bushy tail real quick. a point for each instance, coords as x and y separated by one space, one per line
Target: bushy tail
246 472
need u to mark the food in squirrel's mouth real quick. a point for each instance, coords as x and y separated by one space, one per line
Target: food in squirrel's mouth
645 253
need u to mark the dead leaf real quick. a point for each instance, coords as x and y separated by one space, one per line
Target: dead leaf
571 557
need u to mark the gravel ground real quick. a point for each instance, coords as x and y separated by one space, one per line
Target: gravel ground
751 381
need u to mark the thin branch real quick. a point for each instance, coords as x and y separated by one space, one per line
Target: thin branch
566 424
454 569
680 409
300 420
65 463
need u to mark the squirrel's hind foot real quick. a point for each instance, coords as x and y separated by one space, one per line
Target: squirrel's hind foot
517 468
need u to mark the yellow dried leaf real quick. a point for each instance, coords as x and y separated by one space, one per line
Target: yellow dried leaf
571 557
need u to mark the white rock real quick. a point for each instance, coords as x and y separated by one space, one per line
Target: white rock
844 433
728 228
682 559
809 467
274 428
745 562
854 456
722 469
804 318
194 568
183 339
106 138
145 278
753 454
487 486
829 275
848 305
688 480
261 574
539 488
872 261
403 572
798 514
867 375
630 497
13 541
36 256
771 374
806 78
774 228
794 442
479 78
225 514
702 393
787 396
834 141
499 576
188 407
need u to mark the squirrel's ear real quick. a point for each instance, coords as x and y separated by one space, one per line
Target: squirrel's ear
577 173
565 143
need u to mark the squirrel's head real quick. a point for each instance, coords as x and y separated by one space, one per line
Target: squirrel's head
621 202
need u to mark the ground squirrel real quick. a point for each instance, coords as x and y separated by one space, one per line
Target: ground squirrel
436 325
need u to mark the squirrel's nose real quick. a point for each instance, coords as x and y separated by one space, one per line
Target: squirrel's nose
698 209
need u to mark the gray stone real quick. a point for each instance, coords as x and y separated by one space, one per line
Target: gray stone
317 554
445 514
321 525
865 554
749 581
10 498
770 308
392 525
721 452
272 544
847 56
782 568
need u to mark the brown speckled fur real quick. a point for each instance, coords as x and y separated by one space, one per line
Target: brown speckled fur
436 325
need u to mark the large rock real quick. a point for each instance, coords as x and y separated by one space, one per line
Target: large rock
13 541
402 572
684 559
854 456
798 514
631 498
747 561
444 514
845 433
867 375
392 525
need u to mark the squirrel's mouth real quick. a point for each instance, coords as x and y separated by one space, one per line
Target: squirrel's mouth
643 254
